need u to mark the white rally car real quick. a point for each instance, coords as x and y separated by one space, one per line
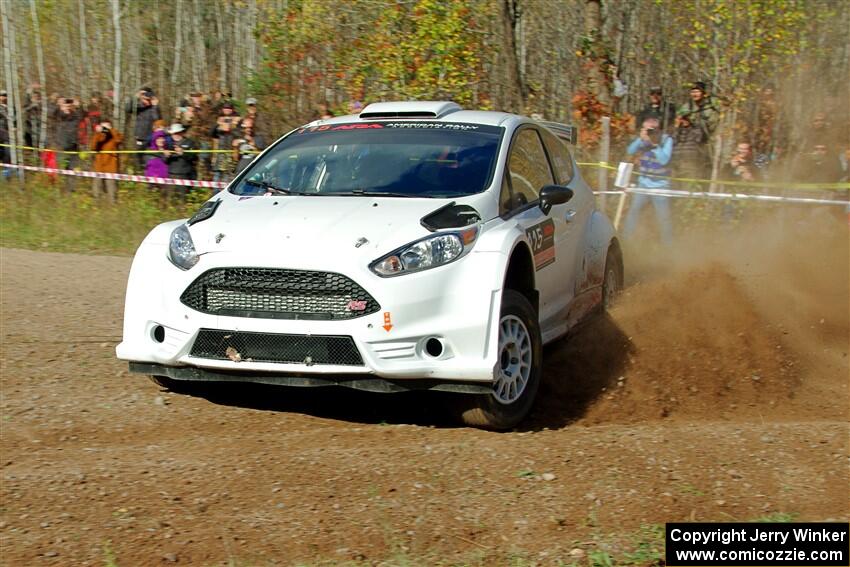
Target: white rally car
415 245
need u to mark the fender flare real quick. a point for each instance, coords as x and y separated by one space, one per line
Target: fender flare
598 238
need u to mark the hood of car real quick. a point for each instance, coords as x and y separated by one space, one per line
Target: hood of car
297 229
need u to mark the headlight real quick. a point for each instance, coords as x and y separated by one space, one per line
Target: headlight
430 252
181 249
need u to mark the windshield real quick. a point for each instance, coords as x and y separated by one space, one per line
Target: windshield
394 159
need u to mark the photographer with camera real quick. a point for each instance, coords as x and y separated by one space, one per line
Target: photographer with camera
145 107
652 151
223 134
105 141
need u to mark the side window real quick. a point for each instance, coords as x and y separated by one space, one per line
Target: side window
528 167
560 156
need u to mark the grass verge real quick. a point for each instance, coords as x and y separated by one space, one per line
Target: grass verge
38 215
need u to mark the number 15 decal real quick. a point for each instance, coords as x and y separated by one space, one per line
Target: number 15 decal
542 239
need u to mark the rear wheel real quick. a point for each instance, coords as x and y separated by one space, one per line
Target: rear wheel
612 283
518 372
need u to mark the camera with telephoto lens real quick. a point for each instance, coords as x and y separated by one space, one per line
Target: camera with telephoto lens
654 135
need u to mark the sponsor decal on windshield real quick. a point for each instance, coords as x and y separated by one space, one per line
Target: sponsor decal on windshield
445 126
434 125
338 127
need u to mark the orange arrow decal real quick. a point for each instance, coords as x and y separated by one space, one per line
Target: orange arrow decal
388 324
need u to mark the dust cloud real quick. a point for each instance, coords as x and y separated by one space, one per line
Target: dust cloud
749 322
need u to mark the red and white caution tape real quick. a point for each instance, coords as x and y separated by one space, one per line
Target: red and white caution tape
123 176
656 192
734 196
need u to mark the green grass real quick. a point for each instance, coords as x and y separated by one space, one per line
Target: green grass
39 216
109 558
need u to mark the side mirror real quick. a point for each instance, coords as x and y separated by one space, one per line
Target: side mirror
551 195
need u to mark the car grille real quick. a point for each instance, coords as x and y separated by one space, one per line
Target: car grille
242 346
278 294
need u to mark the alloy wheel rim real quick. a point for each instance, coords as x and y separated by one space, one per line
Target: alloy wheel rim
515 358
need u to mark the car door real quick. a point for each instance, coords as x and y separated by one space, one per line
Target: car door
576 212
528 170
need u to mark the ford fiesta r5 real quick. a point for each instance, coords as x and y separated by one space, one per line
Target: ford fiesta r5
415 245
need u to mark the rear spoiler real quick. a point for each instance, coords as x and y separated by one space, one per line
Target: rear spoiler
567 133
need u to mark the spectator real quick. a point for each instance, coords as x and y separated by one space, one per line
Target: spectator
184 113
181 162
158 129
653 150
219 99
32 118
5 137
5 153
4 106
741 166
156 165
203 120
145 107
701 110
248 145
252 113
103 102
66 116
660 109
323 111
355 107
821 165
691 149
92 117
820 131
223 134
104 141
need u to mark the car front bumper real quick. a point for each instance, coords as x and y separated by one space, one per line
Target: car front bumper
458 304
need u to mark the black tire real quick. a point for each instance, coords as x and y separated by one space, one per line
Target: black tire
612 281
488 411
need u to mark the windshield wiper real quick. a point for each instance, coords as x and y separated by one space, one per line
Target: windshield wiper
269 187
365 193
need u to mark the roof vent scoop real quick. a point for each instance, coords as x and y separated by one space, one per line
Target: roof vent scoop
412 109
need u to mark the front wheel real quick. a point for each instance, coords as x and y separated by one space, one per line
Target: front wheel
518 372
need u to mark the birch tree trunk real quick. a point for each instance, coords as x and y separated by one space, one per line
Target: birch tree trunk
116 68
36 27
8 71
84 56
178 47
160 56
193 52
222 53
200 47
15 94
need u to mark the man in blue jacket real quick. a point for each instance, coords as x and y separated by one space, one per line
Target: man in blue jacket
652 150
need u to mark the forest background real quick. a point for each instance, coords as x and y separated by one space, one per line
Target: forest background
770 64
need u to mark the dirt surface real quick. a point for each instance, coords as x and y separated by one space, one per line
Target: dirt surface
717 389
